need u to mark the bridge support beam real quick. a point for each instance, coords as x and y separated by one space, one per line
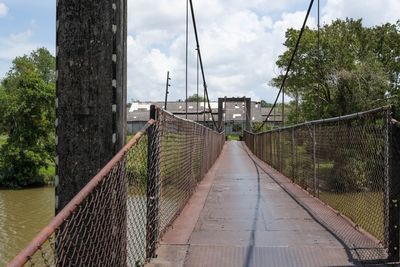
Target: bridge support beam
91 112
222 108
91 90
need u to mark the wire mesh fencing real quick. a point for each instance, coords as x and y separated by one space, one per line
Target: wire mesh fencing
181 152
120 215
103 224
349 163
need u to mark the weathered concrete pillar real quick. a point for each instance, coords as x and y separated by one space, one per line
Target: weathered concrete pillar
91 90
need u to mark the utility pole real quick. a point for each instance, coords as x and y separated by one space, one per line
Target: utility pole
166 90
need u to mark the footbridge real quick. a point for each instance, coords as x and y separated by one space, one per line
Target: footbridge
322 193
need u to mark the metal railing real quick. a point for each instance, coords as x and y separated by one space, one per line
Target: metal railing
119 217
181 153
351 164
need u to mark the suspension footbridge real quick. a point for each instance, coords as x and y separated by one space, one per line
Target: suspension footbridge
318 193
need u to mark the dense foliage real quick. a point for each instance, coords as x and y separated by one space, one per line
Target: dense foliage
357 68
27 115
195 98
265 104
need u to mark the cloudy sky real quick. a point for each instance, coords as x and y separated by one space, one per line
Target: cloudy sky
240 39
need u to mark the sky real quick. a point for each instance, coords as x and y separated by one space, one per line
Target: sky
240 40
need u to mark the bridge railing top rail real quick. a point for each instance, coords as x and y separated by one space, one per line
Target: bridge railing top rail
334 119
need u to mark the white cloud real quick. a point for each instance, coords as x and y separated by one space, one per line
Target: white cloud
239 47
3 10
372 12
15 45
240 42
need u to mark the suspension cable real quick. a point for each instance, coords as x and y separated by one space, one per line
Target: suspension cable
197 86
289 66
201 64
319 61
187 52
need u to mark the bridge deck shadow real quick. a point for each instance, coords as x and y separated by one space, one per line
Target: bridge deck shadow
243 215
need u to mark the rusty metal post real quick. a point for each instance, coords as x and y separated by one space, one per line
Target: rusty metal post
293 155
314 140
280 151
153 187
270 149
392 169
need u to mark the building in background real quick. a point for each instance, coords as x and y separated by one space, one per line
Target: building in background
234 116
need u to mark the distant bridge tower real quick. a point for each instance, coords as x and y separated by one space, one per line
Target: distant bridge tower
91 90
222 106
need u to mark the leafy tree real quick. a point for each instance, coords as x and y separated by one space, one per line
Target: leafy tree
265 104
358 68
195 98
27 116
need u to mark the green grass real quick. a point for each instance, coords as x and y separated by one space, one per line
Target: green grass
233 137
363 208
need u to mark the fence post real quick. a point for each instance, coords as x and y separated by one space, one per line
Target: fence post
392 166
280 151
314 160
270 149
153 184
293 155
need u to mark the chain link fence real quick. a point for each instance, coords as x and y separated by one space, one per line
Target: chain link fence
349 163
181 152
120 215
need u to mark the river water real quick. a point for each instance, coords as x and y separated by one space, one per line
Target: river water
23 213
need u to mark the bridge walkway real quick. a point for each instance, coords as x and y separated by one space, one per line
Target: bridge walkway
240 216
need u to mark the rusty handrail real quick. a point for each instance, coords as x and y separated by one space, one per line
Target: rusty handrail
35 245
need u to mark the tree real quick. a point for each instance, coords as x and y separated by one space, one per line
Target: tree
265 104
27 115
358 69
195 98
